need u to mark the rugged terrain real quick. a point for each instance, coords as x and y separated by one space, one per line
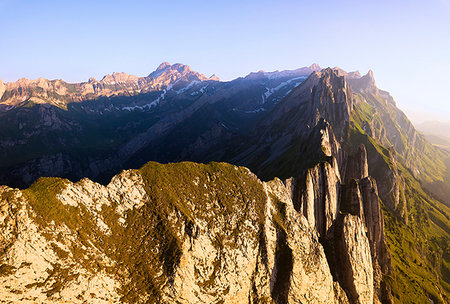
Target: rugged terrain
351 204
127 121
184 233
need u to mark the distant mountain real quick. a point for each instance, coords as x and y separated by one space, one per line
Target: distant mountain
437 133
94 129
437 128
438 141
305 71
60 93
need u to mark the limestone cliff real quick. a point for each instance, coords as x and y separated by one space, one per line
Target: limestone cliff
347 216
176 233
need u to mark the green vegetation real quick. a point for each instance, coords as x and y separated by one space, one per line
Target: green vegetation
420 249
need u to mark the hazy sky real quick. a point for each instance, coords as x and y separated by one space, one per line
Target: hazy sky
405 43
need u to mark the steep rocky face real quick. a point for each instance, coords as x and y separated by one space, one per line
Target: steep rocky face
184 233
381 258
360 198
302 130
316 195
318 115
37 264
347 216
357 165
324 95
355 262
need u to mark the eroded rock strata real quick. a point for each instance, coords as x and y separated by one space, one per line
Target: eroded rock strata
181 233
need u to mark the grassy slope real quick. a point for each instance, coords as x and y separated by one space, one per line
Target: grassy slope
420 250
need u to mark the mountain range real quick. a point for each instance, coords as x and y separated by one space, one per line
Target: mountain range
300 186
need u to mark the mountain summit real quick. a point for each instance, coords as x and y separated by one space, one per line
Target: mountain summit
60 93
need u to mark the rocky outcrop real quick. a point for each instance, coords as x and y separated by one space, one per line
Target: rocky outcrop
2 89
391 185
331 182
347 215
355 270
316 196
357 165
323 96
39 267
374 222
183 233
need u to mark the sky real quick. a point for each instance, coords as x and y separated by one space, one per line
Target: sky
405 43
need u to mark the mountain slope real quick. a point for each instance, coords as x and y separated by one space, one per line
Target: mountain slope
99 134
327 118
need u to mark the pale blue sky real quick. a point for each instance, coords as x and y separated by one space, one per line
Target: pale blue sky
405 43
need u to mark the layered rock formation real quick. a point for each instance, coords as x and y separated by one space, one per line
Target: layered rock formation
183 233
347 216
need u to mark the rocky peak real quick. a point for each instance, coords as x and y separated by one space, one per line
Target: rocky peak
332 100
321 90
163 65
314 67
366 82
117 78
22 82
214 77
2 88
166 73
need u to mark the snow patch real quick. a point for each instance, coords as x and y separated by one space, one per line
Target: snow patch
270 91
190 85
255 111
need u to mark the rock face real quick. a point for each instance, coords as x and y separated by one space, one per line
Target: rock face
177 233
317 195
355 260
37 266
357 166
347 216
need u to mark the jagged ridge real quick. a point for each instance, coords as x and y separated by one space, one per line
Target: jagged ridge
170 233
